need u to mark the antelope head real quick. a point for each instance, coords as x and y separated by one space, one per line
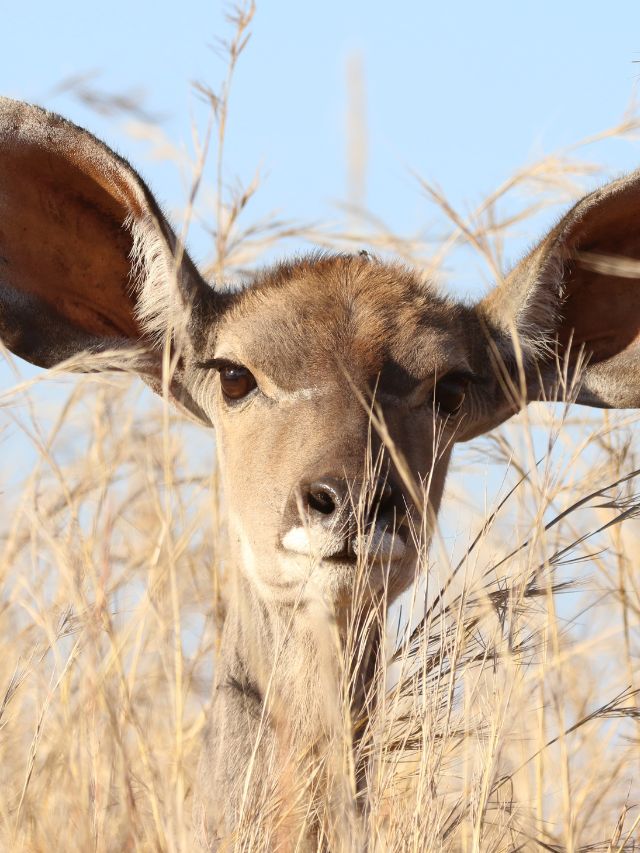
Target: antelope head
337 385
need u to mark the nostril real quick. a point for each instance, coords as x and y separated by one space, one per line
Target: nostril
383 500
385 496
321 499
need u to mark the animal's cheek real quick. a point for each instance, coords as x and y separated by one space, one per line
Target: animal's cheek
415 435
255 480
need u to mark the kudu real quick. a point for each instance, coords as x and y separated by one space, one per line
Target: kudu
290 372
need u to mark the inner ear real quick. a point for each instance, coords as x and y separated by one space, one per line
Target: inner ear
65 242
601 310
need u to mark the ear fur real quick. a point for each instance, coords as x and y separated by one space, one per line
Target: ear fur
87 260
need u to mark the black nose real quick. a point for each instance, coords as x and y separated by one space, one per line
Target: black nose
329 497
326 496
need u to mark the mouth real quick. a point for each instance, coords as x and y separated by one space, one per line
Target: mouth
375 545
348 557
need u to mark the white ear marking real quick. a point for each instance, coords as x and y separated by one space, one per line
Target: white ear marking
154 280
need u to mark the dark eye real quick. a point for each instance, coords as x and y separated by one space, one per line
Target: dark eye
449 393
236 381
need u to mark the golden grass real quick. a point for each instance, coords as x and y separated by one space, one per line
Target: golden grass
511 717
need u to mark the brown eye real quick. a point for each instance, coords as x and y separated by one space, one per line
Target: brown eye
449 394
236 381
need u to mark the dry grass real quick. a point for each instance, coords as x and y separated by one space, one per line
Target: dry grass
511 719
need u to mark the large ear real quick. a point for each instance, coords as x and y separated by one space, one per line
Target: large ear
87 260
574 300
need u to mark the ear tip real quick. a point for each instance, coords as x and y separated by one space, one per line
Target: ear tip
12 111
28 127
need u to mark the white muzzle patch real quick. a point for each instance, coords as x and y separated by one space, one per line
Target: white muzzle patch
376 544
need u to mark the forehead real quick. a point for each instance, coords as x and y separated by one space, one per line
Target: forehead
300 321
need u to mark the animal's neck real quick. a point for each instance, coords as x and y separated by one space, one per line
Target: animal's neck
293 658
